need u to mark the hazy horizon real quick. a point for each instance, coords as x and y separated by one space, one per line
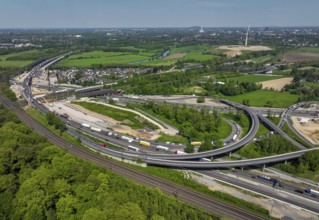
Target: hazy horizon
45 14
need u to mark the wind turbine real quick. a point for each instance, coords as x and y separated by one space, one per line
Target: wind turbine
246 42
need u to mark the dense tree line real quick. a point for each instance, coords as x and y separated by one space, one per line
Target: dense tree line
52 119
231 88
5 89
194 124
306 163
272 145
41 181
164 84
305 84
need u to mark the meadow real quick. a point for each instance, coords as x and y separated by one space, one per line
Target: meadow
305 50
88 59
193 53
21 59
260 98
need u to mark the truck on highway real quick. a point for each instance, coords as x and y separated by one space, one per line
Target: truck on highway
312 192
204 160
85 125
196 143
145 143
103 145
180 152
129 139
159 147
234 138
96 129
130 147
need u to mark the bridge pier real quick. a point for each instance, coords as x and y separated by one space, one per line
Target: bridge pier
264 167
230 154
242 168
285 161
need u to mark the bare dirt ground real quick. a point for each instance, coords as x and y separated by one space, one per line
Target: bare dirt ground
296 57
308 127
83 115
168 131
234 50
277 209
37 91
276 84
175 56
17 89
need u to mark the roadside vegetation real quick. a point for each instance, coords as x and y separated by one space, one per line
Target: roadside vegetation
292 134
240 118
306 166
271 145
179 178
5 89
55 125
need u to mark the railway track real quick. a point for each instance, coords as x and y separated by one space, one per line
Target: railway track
194 198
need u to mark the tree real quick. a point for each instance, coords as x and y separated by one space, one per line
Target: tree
310 159
201 99
129 211
189 148
246 102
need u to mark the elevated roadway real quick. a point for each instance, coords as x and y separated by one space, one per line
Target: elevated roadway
194 198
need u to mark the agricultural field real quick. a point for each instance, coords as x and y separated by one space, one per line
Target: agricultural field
160 62
277 84
195 53
235 50
261 98
88 59
253 78
21 59
188 49
302 54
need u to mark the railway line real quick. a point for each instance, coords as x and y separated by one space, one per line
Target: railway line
187 195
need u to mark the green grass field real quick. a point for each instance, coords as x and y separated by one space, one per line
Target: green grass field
188 49
253 78
21 59
195 53
305 50
261 59
260 98
198 56
88 59
160 62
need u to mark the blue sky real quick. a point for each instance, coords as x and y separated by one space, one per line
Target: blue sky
157 13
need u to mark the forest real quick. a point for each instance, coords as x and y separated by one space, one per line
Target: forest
271 145
231 88
305 84
194 124
41 181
